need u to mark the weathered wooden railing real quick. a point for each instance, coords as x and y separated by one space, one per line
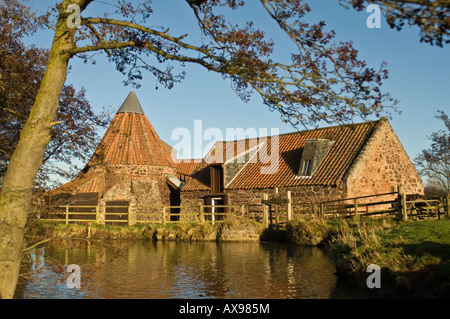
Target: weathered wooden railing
131 215
396 205
356 206
271 212
424 208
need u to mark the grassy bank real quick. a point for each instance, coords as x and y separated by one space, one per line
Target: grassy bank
228 230
414 256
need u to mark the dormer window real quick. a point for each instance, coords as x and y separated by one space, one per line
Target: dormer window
306 168
313 154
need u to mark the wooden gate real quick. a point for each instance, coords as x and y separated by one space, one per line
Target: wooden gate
116 212
83 207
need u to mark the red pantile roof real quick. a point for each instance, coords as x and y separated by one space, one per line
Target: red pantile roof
131 139
186 167
348 141
91 182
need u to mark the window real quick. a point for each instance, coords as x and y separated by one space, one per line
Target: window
306 168
216 179
313 153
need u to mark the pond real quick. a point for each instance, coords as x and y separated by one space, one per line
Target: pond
178 270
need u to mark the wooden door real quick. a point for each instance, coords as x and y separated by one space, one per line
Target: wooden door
216 174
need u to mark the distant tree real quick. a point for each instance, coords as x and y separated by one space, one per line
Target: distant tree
434 162
21 70
430 16
433 189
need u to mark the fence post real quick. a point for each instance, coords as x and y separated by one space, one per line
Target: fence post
130 221
265 213
322 210
67 215
402 202
242 211
164 215
289 206
97 214
202 216
355 204
277 218
447 206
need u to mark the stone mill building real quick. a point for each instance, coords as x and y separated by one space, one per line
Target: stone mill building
131 167
314 166
133 173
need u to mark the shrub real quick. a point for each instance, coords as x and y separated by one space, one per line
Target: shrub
310 231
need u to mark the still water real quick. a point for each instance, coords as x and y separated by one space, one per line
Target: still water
163 270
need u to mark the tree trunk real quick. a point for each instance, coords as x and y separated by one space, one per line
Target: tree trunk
18 184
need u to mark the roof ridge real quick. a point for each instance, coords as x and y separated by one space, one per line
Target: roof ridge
374 122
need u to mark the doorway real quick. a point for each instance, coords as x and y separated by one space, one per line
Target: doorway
217 212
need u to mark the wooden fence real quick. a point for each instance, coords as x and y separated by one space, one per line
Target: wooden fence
273 212
393 204
129 215
388 204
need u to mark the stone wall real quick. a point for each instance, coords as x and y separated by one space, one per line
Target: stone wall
301 196
144 186
122 174
382 166
191 202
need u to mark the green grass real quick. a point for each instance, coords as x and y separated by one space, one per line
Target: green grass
414 256
437 231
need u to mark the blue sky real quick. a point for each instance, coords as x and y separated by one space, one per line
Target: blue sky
419 75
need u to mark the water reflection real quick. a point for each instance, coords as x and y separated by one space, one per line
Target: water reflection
146 269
